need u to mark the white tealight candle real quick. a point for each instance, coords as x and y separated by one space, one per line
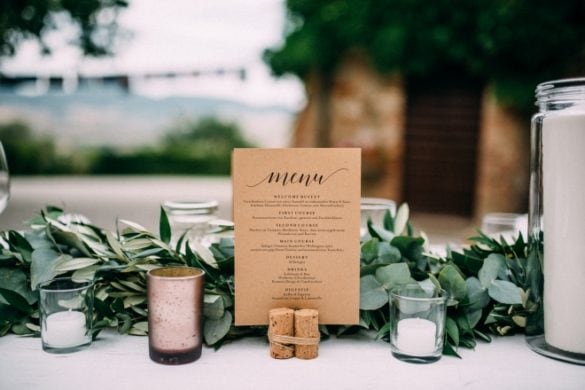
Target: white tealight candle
416 336
65 329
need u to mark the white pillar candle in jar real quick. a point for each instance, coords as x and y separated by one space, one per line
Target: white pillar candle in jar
563 169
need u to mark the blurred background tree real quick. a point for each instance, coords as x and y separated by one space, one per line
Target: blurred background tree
512 45
95 20
31 154
441 90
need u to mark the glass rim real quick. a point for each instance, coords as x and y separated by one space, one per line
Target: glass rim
196 273
560 91
186 205
443 296
83 285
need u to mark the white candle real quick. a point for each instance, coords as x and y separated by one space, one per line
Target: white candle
65 329
563 156
416 336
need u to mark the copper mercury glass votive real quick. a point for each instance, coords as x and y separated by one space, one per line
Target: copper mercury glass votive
175 303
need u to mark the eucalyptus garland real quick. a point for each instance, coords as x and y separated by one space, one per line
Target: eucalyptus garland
487 283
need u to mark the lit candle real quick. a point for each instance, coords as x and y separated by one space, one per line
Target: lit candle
416 336
65 329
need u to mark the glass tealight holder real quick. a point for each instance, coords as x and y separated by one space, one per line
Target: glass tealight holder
417 320
374 209
66 312
175 307
191 218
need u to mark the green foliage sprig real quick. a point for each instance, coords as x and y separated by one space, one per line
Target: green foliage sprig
487 283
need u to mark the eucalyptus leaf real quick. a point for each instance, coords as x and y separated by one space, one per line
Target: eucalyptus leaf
71 239
401 219
205 254
477 295
473 317
379 232
16 300
21 244
452 282
143 326
164 227
134 301
452 330
44 266
505 292
372 295
394 275
369 250
15 280
215 330
75 264
136 244
388 253
134 226
115 245
87 273
492 266
213 307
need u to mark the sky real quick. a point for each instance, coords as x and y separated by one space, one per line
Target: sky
181 36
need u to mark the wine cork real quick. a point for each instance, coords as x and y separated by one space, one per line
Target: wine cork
281 323
307 327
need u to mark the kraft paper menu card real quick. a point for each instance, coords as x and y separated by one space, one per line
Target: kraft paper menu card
297 239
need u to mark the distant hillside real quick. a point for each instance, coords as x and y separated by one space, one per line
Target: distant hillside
112 117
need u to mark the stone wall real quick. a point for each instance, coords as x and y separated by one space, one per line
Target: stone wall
369 111
503 161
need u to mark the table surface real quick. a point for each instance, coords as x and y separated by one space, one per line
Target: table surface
356 362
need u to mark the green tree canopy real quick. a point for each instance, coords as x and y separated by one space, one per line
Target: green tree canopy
513 44
24 19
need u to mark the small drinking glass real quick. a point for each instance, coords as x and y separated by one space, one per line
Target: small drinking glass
504 224
4 180
374 209
66 308
175 304
417 320
191 218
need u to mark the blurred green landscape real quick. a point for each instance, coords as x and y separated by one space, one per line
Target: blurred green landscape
188 147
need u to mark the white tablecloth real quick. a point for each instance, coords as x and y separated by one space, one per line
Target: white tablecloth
356 362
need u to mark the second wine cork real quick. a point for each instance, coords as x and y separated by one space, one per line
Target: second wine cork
307 327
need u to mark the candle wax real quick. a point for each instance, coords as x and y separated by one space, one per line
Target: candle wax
65 329
416 336
563 148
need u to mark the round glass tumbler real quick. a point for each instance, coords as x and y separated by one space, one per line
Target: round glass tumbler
66 308
417 319
175 301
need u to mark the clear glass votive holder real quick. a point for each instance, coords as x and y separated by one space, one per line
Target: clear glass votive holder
374 209
191 218
503 224
175 305
417 319
66 312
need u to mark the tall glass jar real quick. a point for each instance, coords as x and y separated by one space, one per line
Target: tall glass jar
556 260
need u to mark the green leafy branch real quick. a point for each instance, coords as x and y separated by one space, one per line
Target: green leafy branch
487 283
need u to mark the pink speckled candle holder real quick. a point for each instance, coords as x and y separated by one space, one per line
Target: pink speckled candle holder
175 302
